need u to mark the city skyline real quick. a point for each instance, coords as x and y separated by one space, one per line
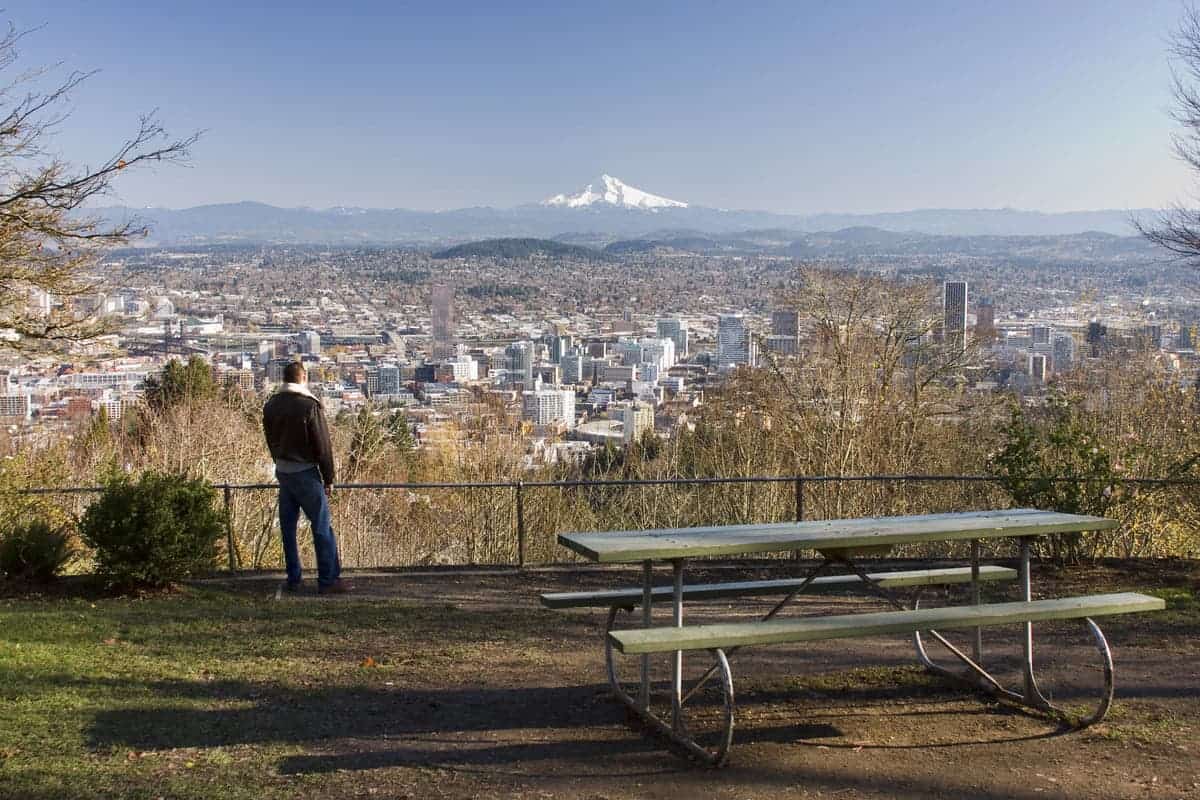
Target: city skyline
862 107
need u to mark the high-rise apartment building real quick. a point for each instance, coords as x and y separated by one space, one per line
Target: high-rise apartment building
735 346
550 406
14 406
636 418
954 318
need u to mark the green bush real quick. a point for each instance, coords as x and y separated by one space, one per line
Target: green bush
152 532
35 551
1053 459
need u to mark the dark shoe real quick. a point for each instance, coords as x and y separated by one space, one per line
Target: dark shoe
337 587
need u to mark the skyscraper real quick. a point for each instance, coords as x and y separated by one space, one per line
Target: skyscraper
676 330
1064 352
734 344
954 327
560 345
785 322
985 321
520 362
441 314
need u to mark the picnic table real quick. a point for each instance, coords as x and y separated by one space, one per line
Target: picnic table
842 544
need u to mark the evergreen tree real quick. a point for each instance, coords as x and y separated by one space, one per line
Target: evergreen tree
179 382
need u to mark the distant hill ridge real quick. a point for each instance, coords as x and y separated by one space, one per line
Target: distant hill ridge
252 222
518 248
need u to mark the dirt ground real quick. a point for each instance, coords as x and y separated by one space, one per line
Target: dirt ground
525 711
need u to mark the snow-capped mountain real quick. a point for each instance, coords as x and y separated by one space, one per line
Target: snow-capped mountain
612 191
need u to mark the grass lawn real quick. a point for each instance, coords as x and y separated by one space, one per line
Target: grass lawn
204 692
455 686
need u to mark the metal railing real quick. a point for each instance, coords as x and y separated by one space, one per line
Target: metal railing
518 520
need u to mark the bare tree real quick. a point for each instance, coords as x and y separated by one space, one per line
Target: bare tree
1177 230
48 238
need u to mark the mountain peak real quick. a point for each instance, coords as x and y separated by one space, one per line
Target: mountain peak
612 191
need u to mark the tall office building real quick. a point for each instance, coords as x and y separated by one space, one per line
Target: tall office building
561 344
1097 332
734 343
1064 352
985 321
572 366
785 322
441 314
659 352
1037 367
954 325
519 356
310 343
388 379
1040 334
785 332
676 330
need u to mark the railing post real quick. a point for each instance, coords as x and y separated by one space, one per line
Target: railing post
799 508
229 527
520 524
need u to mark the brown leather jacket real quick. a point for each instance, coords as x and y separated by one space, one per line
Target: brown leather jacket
294 424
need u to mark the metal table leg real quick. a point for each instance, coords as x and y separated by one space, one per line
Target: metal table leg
677 661
975 599
647 596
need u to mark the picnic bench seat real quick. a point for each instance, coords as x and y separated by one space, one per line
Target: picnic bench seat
841 543
843 626
630 598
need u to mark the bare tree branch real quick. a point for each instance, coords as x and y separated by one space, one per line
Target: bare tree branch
1177 230
48 240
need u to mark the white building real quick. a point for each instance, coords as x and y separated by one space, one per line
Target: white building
550 406
659 352
676 330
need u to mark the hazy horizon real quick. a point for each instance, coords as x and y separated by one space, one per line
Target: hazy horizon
801 109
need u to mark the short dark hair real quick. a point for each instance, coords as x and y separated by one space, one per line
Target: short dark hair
293 372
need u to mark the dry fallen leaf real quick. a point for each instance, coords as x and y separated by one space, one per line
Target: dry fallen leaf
368 662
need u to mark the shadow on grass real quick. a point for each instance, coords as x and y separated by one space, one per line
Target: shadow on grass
245 713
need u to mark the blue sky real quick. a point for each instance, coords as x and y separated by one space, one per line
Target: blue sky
788 106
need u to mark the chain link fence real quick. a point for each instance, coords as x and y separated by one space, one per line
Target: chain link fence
517 523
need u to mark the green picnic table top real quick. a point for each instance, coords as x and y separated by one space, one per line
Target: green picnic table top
672 543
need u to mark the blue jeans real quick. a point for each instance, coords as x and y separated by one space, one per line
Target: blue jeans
304 491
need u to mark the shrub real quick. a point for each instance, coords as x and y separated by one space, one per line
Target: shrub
35 551
1055 462
152 532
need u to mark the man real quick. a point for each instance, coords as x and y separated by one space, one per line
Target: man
294 423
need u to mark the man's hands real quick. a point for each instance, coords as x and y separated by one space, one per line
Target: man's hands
329 491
